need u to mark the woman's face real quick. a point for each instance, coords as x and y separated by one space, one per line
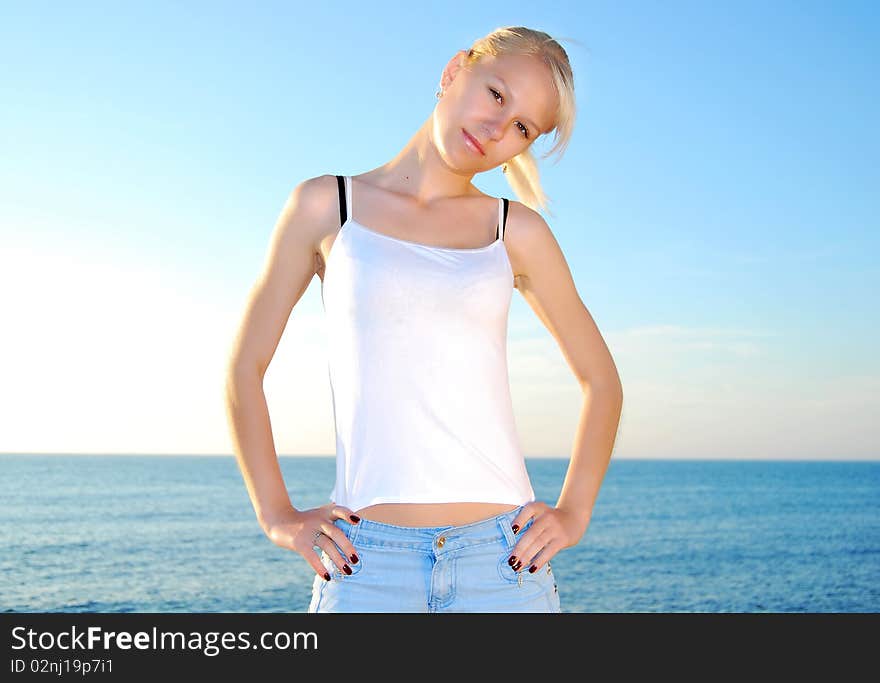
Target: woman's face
504 103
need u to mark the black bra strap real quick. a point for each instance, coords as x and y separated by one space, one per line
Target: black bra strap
343 210
504 218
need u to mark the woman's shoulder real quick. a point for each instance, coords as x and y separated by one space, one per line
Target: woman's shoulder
526 234
321 195
321 184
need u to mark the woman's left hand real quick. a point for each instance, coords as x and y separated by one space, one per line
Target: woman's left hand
552 530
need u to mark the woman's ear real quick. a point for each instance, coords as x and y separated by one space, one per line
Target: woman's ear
452 67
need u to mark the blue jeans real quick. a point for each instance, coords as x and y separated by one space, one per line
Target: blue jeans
434 569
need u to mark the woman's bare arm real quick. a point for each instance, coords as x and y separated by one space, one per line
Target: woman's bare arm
289 268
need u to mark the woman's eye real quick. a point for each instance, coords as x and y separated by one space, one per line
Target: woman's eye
524 129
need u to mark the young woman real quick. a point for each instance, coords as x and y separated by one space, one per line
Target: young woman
432 508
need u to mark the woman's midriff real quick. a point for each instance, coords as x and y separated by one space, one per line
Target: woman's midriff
432 514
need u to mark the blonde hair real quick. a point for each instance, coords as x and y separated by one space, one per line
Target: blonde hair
521 171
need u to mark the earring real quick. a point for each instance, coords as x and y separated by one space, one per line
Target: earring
439 93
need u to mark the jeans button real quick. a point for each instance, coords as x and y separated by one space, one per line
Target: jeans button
441 541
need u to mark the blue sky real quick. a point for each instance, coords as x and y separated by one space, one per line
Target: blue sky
717 206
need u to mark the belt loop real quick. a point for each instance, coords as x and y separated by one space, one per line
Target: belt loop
506 528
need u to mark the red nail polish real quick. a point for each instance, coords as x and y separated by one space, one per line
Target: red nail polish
355 518
326 576
515 528
532 569
346 569
354 558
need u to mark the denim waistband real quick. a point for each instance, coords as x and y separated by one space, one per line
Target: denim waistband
432 539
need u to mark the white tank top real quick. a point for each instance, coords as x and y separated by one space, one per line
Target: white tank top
418 369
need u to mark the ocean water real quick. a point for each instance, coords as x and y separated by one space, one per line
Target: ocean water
178 534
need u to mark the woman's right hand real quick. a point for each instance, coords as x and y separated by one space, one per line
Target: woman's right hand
295 530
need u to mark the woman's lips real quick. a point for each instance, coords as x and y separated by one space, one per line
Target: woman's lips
472 141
